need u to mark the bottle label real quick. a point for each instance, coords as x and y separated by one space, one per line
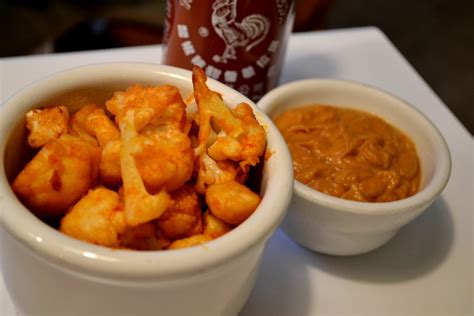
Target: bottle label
236 42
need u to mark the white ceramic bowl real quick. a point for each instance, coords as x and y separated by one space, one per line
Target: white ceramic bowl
49 273
341 227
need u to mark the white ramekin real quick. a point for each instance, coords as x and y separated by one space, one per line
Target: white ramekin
341 227
48 273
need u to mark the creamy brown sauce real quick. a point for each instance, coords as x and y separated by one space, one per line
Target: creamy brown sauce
350 154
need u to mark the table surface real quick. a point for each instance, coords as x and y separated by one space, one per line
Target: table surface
427 269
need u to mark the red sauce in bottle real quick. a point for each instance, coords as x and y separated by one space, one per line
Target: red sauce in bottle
239 42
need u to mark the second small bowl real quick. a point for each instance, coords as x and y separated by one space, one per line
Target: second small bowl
336 226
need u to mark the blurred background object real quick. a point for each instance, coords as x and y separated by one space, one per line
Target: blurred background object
240 43
436 36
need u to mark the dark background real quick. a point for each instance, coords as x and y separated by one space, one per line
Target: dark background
436 36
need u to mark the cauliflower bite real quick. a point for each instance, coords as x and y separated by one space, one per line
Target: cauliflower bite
146 102
140 206
45 125
240 138
246 145
165 158
183 216
231 201
163 153
92 122
211 172
56 178
97 218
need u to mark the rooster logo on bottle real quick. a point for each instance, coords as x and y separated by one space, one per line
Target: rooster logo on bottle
248 33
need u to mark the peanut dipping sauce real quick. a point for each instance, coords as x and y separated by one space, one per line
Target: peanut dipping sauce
350 154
